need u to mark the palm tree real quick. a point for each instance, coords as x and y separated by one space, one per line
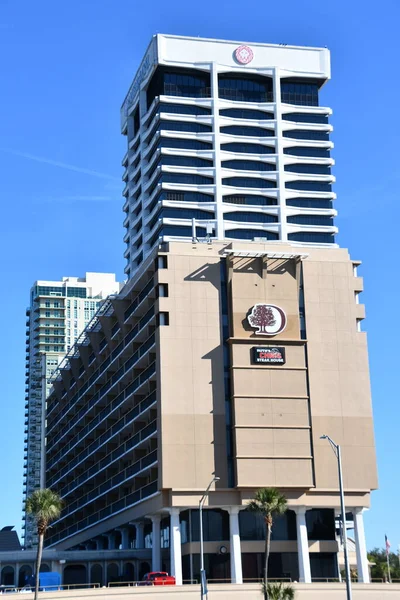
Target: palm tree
279 591
268 502
45 506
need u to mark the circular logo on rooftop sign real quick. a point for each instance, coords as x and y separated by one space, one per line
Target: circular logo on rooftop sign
244 55
267 319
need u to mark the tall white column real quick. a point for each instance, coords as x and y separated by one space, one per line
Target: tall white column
236 553
175 545
302 545
361 546
155 543
139 535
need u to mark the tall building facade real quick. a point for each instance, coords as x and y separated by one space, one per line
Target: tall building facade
185 374
236 342
58 313
231 136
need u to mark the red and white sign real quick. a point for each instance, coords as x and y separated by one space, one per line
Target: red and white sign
267 319
244 55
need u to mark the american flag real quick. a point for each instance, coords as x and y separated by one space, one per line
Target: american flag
387 544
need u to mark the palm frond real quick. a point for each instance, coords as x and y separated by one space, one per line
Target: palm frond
268 501
278 591
44 505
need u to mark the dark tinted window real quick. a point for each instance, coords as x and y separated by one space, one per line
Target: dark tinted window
307 168
215 525
247 131
310 186
245 113
250 234
309 202
178 82
311 220
180 213
248 148
305 118
248 182
248 165
299 92
320 524
305 134
316 238
250 199
250 217
251 89
307 151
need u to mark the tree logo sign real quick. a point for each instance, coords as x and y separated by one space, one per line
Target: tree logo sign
267 319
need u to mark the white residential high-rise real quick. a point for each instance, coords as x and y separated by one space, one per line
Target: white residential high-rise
58 313
227 139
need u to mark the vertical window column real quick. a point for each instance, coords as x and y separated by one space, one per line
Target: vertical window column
361 547
175 546
236 553
219 206
280 167
156 543
302 545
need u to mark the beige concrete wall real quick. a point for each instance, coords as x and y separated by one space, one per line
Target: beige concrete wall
280 411
340 397
315 591
191 375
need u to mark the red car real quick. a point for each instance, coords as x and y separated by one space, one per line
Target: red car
158 578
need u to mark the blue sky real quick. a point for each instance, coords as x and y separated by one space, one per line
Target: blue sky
65 69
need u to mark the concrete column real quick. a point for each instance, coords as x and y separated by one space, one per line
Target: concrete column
175 545
302 545
361 547
111 541
125 538
99 543
139 535
236 554
155 543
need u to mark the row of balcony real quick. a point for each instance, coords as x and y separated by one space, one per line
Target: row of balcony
108 385
130 500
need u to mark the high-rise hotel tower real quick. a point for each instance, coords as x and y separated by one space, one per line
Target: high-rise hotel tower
236 342
229 135
58 313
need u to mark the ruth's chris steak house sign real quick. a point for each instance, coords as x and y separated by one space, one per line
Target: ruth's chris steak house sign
270 355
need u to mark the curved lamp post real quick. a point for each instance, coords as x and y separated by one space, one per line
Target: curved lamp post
203 578
336 450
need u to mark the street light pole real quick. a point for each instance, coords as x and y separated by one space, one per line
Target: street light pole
203 579
336 450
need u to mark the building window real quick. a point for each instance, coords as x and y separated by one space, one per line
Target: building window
248 182
316 237
307 151
47 304
248 148
307 168
308 186
309 202
250 217
248 165
246 113
299 92
250 200
247 131
241 88
305 118
320 220
304 134
250 234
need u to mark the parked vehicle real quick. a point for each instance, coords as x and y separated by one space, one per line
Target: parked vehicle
158 578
